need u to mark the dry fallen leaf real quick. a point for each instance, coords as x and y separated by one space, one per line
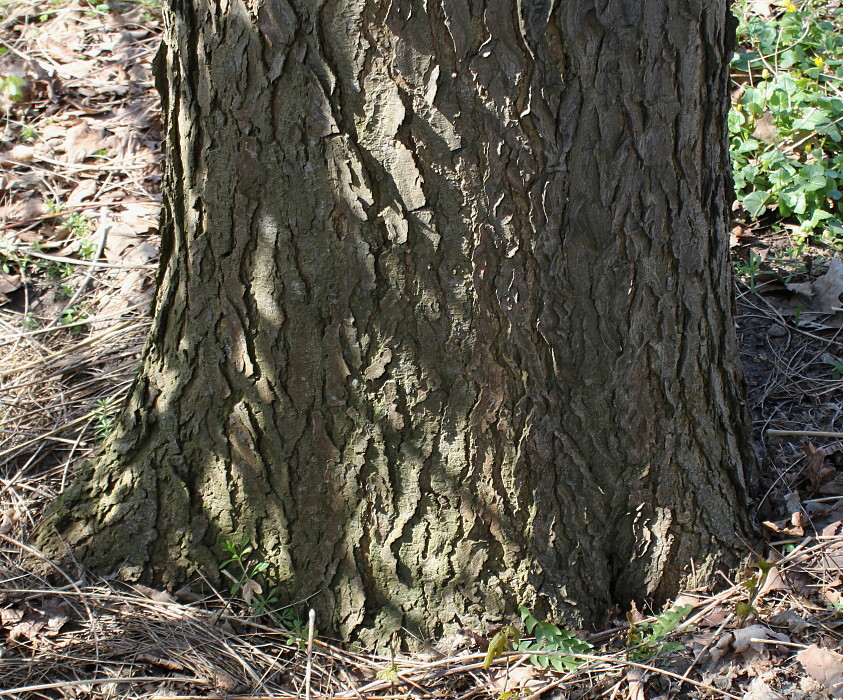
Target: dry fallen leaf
515 679
8 283
19 154
763 8
784 527
803 289
85 190
222 680
28 628
153 594
82 141
765 128
791 620
759 690
186 595
814 467
750 642
9 617
756 637
141 218
824 666
799 521
773 582
714 617
56 612
827 289
635 677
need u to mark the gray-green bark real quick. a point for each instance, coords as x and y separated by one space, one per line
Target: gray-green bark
443 314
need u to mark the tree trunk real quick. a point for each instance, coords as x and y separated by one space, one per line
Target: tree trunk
443 316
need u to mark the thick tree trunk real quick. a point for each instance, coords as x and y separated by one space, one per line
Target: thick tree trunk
443 315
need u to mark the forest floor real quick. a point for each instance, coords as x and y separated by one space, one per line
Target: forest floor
79 200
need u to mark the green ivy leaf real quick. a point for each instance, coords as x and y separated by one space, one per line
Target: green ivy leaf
756 203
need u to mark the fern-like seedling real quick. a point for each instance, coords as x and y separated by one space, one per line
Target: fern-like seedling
552 646
646 639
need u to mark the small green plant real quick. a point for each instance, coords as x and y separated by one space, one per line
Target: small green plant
240 558
74 315
501 642
80 228
12 87
551 646
98 8
514 694
77 225
747 270
105 417
246 571
836 369
54 4
296 628
753 586
646 639
9 257
12 259
28 133
53 269
390 673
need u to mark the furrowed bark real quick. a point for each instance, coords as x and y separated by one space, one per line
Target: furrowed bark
443 318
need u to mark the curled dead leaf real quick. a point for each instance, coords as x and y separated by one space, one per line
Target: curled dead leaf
765 128
814 467
784 527
83 141
790 619
250 590
827 289
28 628
756 637
773 582
9 617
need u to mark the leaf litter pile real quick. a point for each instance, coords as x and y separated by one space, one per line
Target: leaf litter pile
79 198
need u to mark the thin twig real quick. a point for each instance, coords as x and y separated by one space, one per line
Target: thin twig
804 433
311 626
